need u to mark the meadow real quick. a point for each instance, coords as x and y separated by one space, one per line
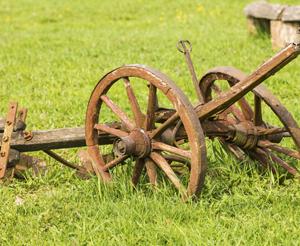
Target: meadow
52 53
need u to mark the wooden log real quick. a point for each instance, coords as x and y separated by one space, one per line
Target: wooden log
68 137
281 21
291 14
55 139
264 10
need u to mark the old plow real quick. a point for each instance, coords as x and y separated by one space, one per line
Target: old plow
137 116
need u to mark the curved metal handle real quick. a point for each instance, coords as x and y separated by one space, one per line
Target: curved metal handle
184 46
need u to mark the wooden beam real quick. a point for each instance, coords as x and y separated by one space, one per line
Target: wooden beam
55 139
67 137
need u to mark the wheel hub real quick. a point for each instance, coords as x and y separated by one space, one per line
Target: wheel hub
137 143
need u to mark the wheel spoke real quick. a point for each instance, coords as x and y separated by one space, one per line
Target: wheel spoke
149 125
135 107
280 149
162 163
98 163
137 171
282 163
234 149
232 109
110 130
165 125
263 158
115 162
152 105
257 111
235 111
177 159
151 171
246 109
171 149
121 115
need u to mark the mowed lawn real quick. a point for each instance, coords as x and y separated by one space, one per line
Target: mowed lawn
52 53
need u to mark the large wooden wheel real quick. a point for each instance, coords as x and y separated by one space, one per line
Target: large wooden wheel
138 134
273 144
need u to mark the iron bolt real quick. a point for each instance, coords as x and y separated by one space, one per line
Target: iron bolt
121 146
8 122
5 138
28 135
2 154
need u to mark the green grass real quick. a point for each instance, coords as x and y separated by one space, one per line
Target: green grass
52 53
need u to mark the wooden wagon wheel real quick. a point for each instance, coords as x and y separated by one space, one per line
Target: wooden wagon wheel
267 150
135 138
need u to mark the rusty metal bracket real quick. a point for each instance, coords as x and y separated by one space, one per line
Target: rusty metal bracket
8 130
20 120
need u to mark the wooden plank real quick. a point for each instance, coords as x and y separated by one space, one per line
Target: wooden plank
263 10
68 137
6 137
55 139
291 14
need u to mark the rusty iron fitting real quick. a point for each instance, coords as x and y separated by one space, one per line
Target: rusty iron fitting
252 139
5 139
184 45
137 144
243 137
20 126
168 136
28 135
123 146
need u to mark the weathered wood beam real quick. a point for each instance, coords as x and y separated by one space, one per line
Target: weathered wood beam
66 137
55 139
291 14
264 10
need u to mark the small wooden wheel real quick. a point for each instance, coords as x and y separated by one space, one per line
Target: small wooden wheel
137 130
272 146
